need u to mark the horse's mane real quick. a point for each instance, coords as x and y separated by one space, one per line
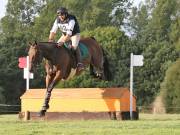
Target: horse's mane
49 45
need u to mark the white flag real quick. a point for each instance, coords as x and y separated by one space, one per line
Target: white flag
26 73
137 60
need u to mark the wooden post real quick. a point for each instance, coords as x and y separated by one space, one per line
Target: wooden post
26 115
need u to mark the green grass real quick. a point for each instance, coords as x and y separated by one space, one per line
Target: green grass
149 124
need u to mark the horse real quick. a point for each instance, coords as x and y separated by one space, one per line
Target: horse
63 61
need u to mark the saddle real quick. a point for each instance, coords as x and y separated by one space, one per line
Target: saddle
67 45
82 47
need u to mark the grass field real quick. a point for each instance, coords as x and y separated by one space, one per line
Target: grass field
148 124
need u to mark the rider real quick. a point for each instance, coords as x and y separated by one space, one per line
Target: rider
69 27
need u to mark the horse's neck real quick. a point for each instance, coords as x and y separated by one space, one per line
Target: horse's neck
48 50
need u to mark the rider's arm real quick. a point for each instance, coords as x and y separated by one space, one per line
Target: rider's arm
51 36
53 31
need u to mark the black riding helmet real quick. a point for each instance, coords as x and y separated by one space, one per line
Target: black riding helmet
62 11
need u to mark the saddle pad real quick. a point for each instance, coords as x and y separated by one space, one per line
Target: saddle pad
83 49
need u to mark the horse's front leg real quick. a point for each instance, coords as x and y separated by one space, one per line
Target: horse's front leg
58 76
49 75
49 79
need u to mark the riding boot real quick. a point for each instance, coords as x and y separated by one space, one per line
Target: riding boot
73 55
80 65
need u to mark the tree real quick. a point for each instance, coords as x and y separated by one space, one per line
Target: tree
2 98
161 21
90 14
157 59
14 38
170 88
152 26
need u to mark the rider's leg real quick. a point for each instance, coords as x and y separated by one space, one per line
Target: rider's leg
80 65
75 41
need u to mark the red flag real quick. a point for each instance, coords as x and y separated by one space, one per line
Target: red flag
22 62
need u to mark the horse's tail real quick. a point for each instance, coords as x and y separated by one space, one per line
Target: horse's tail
107 72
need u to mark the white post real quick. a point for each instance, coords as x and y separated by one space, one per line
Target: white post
136 60
131 87
27 79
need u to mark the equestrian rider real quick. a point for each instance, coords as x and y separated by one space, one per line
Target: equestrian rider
69 27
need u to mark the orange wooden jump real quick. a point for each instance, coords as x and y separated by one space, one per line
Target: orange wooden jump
79 100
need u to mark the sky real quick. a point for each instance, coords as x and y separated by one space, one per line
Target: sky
3 7
3 4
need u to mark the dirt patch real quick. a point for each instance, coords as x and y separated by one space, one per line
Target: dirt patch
158 106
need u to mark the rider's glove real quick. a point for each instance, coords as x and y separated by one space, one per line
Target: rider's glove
60 44
50 40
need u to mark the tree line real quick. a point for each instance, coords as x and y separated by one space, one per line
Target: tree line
154 32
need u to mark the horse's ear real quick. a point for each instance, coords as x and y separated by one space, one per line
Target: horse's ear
30 43
35 42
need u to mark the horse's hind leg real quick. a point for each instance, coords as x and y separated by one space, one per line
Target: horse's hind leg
101 65
112 115
97 69
92 71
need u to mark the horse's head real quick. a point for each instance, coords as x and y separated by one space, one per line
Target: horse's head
34 55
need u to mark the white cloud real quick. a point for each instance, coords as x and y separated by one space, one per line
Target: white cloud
137 2
4 3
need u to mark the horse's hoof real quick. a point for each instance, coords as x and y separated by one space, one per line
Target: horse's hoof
114 118
112 115
42 113
80 67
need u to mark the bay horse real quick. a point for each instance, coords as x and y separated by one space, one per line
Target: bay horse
63 62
